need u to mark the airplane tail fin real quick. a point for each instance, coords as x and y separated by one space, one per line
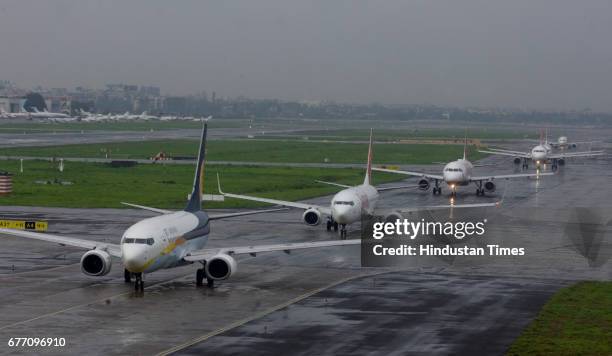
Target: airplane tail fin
195 200
368 177
465 146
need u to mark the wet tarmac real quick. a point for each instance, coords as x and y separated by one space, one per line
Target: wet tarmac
316 301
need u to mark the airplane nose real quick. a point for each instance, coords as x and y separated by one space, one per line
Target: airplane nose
341 214
133 258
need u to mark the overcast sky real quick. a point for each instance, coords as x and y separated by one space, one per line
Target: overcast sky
542 54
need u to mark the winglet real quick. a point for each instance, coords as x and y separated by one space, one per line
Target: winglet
465 146
195 201
368 177
219 185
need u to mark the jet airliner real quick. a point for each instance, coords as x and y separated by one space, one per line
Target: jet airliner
170 240
351 204
459 173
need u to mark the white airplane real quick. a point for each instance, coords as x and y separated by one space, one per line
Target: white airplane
14 115
351 204
170 240
48 115
541 154
459 173
564 143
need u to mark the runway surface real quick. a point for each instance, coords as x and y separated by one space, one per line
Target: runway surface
317 301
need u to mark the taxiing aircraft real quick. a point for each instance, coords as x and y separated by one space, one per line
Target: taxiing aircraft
170 240
564 143
541 154
459 173
351 204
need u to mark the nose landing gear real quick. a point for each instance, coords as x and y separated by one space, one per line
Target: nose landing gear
139 284
332 224
343 232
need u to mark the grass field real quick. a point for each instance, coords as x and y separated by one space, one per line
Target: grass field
576 321
21 127
258 151
97 185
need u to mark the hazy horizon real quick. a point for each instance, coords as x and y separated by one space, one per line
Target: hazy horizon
543 54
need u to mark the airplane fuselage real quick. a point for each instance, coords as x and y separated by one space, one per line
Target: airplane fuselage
162 241
540 153
458 172
349 205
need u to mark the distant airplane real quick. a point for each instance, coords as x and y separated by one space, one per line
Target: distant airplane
171 240
459 173
36 114
351 204
564 143
541 154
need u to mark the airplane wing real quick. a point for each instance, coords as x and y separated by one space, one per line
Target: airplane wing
113 249
576 154
207 253
504 153
382 189
322 209
509 176
211 216
334 184
155 210
241 213
407 173
505 150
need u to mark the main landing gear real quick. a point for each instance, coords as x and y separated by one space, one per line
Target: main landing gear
437 190
332 224
525 163
479 189
200 275
555 165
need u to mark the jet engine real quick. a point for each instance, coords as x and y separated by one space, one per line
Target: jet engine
312 217
489 186
561 162
423 184
393 216
96 263
220 266
517 160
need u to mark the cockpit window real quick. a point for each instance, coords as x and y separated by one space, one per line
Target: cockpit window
340 202
454 170
149 241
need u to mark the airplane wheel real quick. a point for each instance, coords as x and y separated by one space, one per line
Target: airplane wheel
335 227
210 282
329 225
200 277
141 286
127 276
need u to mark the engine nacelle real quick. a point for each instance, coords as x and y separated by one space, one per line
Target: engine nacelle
312 217
561 162
393 217
423 184
96 263
220 267
489 186
517 160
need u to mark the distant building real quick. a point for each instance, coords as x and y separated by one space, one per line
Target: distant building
12 104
